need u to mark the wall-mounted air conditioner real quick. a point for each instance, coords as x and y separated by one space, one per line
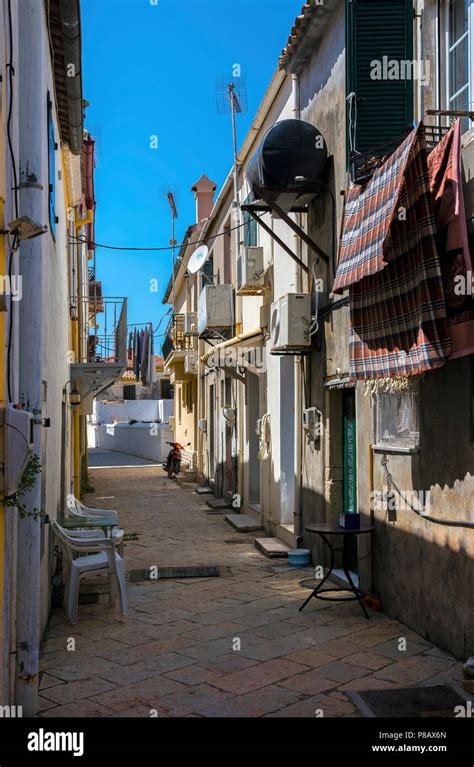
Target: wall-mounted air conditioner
215 310
18 446
190 324
250 271
190 364
290 323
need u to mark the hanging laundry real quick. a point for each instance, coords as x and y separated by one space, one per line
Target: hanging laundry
446 185
143 355
137 355
151 377
389 261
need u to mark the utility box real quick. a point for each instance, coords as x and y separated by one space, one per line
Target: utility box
250 271
18 446
190 364
215 311
291 323
312 422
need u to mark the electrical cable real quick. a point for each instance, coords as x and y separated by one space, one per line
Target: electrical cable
435 520
168 247
13 248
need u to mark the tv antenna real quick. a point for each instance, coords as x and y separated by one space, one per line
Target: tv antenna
232 98
171 197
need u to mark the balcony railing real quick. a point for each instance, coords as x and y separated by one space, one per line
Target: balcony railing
364 164
175 340
104 337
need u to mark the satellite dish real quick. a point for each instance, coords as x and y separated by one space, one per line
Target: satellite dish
198 258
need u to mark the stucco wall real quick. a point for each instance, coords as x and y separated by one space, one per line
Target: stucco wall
140 410
138 439
424 572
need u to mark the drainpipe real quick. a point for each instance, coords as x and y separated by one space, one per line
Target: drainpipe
71 32
296 97
298 371
419 93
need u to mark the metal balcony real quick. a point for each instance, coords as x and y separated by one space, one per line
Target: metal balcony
175 341
102 348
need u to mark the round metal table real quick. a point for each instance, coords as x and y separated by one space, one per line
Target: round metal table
325 529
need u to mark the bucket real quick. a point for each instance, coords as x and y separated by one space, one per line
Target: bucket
298 557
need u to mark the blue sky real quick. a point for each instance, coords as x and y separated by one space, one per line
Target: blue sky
150 70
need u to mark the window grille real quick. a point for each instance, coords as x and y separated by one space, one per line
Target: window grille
396 418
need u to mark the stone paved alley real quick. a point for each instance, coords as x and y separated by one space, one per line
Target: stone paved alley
175 653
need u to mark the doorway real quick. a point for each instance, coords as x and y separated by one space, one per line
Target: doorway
349 489
211 432
253 411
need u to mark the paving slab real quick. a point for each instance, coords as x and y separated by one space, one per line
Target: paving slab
272 547
234 645
242 522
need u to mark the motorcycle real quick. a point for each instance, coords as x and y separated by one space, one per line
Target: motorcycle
173 463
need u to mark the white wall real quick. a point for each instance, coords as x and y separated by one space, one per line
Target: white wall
139 439
140 410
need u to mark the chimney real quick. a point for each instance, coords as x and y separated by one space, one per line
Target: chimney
203 190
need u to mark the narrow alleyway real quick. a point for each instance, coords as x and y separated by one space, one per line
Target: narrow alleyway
178 652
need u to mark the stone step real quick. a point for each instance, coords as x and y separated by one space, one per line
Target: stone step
187 477
272 547
204 490
242 522
218 503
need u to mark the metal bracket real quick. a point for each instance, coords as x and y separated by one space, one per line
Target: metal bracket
294 226
277 239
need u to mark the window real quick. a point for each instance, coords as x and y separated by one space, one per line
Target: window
130 392
207 272
250 227
459 56
396 419
379 56
52 147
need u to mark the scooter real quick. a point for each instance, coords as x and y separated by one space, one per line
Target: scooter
173 462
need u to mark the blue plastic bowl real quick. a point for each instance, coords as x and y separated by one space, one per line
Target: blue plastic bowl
298 557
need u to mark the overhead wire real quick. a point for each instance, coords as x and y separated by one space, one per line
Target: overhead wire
167 247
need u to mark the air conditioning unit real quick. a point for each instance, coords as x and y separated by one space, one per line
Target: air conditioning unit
190 324
190 364
290 323
250 271
215 311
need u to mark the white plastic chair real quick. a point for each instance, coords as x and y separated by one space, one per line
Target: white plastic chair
78 509
99 558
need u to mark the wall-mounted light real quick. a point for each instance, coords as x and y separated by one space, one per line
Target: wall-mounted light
25 228
75 397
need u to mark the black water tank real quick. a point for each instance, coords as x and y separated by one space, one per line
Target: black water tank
293 153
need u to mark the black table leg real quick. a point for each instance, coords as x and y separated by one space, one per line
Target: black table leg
345 566
331 567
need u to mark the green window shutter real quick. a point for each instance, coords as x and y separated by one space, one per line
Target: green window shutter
376 29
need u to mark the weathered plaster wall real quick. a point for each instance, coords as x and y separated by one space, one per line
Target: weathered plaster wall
424 572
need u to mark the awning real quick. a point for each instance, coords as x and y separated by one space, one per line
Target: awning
238 351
